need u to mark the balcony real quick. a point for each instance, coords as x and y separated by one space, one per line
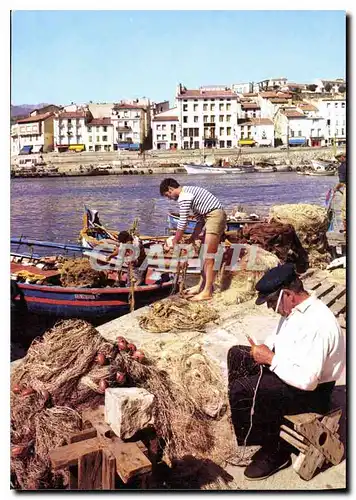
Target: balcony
124 129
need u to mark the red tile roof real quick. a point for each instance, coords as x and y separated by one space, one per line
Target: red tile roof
268 95
250 94
72 114
100 121
206 93
165 119
36 118
291 113
307 107
256 121
250 105
128 106
279 100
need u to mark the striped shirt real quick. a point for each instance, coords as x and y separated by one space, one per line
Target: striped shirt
199 201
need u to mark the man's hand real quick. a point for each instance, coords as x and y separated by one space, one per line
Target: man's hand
262 354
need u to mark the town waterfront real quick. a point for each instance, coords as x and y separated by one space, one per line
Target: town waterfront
52 208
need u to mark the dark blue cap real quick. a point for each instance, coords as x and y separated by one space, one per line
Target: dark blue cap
274 280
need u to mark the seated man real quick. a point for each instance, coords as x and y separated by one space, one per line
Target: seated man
125 237
293 372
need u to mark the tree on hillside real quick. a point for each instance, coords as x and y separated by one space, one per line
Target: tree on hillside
328 87
312 87
342 89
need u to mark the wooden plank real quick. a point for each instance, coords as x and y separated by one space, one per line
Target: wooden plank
334 294
312 284
130 461
306 464
294 433
96 418
82 435
339 306
108 470
293 441
69 454
302 418
324 289
89 471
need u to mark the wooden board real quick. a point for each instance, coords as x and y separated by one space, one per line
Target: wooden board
306 464
324 289
302 418
89 471
334 294
68 455
130 461
339 306
108 471
82 435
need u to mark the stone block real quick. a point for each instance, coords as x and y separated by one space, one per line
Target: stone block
128 410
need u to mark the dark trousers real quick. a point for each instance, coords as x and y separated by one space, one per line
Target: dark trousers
274 399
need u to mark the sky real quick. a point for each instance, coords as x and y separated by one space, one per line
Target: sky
67 56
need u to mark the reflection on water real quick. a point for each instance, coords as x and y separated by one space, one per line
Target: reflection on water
52 209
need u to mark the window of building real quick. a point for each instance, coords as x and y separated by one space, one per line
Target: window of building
90 138
185 107
69 121
185 100
195 107
221 144
163 127
90 148
105 128
328 104
205 107
196 144
97 138
228 144
221 130
337 131
212 107
174 128
292 133
342 131
221 118
185 132
120 136
342 104
299 133
105 138
336 105
228 99
228 131
185 119
228 118
327 122
212 118
158 127
185 145
196 132
158 137
337 122
196 119
228 107
164 137
205 119
221 107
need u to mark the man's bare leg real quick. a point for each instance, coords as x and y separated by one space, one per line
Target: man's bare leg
212 241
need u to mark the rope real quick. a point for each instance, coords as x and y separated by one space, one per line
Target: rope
132 287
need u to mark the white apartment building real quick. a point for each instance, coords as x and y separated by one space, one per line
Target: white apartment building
242 88
255 132
100 135
166 130
207 117
248 109
131 124
70 130
33 134
333 110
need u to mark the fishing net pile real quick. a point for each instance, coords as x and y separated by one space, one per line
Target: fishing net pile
78 272
63 374
275 237
310 223
236 286
177 314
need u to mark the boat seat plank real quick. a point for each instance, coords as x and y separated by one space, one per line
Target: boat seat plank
17 267
324 289
339 306
336 293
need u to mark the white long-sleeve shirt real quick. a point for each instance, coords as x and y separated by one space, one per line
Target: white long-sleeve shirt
309 346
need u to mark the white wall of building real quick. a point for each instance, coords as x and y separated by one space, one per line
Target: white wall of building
334 113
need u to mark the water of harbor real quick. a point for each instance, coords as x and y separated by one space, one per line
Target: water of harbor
52 208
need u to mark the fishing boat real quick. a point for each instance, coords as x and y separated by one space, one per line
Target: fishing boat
232 223
212 169
37 290
322 165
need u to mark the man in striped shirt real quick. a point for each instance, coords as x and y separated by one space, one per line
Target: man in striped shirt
209 213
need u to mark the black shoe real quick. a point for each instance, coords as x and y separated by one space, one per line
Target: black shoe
265 463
